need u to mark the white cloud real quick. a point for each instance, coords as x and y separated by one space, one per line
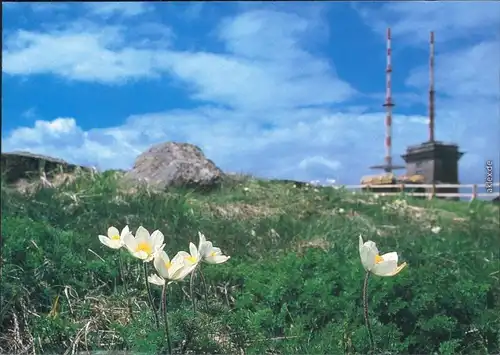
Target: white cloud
78 55
450 20
54 131
124 9
249 76
35 6
294 147
466 72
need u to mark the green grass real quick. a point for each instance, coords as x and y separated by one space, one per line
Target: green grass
292 286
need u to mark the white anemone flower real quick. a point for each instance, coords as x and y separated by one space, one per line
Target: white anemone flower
114 240
144 246
169 270
381 265
209 253
192 258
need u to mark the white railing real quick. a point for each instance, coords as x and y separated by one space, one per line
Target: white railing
432 190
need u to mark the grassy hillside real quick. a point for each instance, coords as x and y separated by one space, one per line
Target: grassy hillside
293 284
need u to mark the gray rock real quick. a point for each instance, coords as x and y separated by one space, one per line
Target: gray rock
25 165
173 164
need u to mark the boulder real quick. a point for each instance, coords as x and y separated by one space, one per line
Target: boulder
173 164
18 166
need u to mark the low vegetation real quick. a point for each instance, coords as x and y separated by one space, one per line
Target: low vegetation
293 284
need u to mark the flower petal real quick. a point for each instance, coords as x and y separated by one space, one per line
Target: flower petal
390 256
158 250
193 250
206 249
160 263
157 239
180 255
125 231
202 239
110 243
112 231
130 242
367 252
140 254
385 268
397 270
181 273
371 245
217 259
142 233
175 270
155 279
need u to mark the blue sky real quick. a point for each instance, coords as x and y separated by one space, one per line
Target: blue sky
285 90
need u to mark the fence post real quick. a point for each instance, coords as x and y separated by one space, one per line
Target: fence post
433 191
402 187
474 192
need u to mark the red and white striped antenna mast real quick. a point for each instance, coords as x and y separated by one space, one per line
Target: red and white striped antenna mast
431 89
388 104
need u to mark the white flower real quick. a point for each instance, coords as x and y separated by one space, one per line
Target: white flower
436 229
193 257
144 246
341 210
209 253
169 270
381 265
114 240
246 189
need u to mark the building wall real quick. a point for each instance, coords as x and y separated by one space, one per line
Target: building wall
449 171
437 163
424 167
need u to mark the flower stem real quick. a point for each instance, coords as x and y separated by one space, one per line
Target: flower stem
367 320
122 273
150 296
125 286
204 288
165 316
191 291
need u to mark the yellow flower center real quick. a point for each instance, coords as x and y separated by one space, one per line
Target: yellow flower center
115 237
168 264
145 247
378 259
191 259
213 253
